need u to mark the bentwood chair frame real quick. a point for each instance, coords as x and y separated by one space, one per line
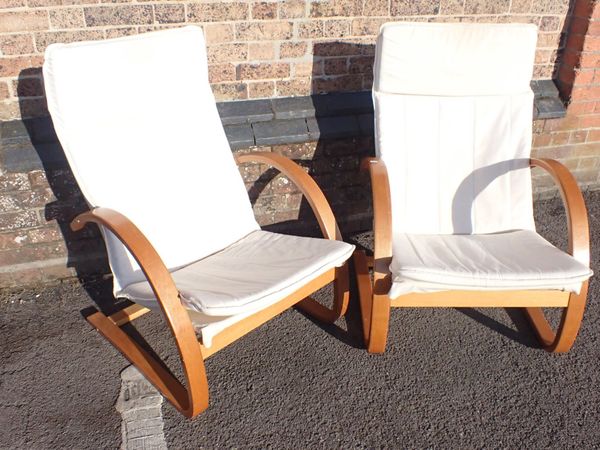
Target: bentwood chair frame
193 399
452 68
375 302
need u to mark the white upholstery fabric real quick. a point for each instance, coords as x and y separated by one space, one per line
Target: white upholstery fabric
454 58
253 273
138 123
453 124
456 138
457 164
511 260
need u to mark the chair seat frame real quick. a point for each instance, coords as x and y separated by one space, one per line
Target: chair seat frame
193 399
373 292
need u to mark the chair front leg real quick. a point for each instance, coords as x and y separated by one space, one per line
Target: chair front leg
193 400
579 248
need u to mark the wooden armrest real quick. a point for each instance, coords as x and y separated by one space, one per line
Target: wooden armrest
154 269
382 222
195 399
305 183
577 219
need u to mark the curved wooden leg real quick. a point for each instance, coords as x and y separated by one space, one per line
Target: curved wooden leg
374 308
563 339
341 296
191 401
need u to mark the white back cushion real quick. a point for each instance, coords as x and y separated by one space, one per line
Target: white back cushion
453 114
138 123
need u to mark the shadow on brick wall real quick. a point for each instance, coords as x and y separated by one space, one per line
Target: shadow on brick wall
340 133
86 253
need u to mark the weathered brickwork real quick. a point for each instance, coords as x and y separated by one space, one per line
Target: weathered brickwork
262 49
575 139
257 49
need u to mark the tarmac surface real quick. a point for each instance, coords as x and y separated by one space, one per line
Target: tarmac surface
460 378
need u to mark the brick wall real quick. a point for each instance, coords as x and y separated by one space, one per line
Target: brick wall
260 49
575 139
257 49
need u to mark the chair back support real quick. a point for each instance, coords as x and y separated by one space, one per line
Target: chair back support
453 124
137 120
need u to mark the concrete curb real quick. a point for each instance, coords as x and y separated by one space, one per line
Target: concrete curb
139 404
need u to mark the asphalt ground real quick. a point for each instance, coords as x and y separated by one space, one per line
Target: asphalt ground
459 378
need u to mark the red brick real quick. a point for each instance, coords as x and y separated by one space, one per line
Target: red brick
591 60
576 108
12 66
592 44
585 76
593 136
559 138
591 121
594 29
541 140
578 137
585 93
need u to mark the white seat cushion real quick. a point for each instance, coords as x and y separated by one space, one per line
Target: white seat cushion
253 273
512 260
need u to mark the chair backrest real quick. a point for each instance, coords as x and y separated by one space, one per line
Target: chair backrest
137 120
453 123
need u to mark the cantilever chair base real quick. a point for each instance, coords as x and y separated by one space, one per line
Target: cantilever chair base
375 303
193 400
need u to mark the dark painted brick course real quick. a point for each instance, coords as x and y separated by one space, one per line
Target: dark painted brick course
280 132
233 113
239 136
333 127
293 107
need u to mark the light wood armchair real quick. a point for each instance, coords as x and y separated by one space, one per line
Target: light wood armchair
452 189
193 400
151 157
373 292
